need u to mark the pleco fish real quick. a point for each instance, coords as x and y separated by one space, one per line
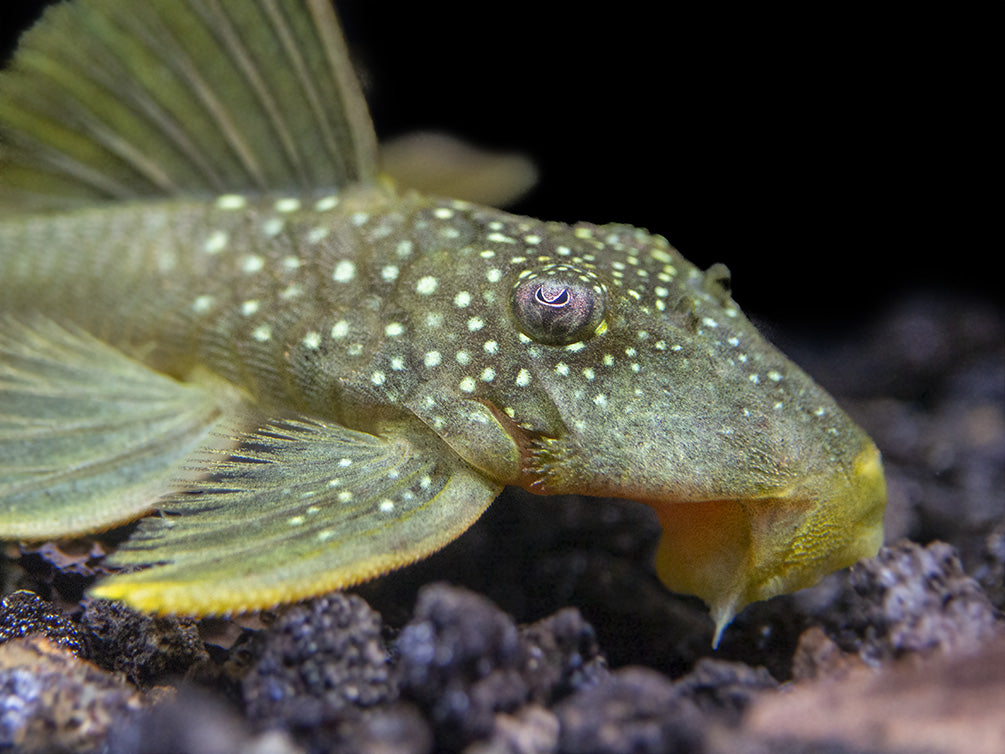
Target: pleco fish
214 307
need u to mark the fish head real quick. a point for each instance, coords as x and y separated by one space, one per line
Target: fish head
645 381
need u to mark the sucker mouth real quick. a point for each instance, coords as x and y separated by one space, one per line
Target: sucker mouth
732 552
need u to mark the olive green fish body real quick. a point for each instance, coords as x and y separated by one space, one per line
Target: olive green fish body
316 378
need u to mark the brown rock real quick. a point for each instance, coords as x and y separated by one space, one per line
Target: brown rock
52 701
947 704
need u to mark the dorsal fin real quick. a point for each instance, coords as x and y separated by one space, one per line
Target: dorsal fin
107 99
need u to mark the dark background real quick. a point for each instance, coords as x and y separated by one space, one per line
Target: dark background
835 160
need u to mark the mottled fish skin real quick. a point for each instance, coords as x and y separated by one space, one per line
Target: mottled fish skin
345 307
588 359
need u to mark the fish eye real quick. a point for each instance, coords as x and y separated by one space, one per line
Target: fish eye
558 304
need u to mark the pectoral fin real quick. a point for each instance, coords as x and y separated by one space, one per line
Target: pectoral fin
304 508
89 438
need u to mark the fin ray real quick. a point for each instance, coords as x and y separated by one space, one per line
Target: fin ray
181 97
90 438
303 508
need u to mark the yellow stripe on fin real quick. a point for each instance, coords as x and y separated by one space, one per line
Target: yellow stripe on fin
304 508
180 97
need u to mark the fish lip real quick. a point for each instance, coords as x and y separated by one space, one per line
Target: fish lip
734 551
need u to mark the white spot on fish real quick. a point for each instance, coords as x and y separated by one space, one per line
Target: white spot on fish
326 203
272 227
562 368
345 271
394 329
389 273
249 307
462 299
467 385
231 202
463 358
291 291
340 329
488 374
386 506
589 374
291 263
312 340
289 204
491 346
262 333
202 304
494 275
252 263
523 378
318 233
475 324
378 378
432 359
216 242
600 399
427 285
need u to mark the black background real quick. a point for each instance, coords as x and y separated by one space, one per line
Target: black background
835 159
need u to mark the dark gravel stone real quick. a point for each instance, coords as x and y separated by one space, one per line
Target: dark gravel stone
724 689
193 723
53 702
561 656
634 711
145 648
460 659
397 728
24 613
990 574
319 662
911 598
